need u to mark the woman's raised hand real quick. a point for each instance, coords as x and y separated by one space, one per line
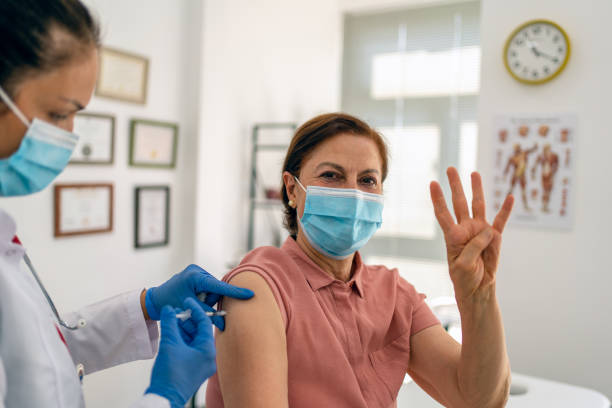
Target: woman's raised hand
472 244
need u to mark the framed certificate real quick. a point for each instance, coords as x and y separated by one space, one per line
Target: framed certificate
153 144
123 76
152 208
83 209
96 139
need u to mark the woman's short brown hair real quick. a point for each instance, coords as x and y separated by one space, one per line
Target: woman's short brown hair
313 133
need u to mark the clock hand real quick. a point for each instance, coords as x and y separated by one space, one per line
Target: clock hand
550 57
532 46
539 53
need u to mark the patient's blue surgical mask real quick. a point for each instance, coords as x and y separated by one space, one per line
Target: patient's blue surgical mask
43 154
339 221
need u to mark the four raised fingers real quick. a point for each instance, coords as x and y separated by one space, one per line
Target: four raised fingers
460 206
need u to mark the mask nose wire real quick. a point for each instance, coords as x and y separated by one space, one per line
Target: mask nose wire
5 98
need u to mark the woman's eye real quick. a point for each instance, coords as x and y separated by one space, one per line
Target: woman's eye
370 181
329 175
57 117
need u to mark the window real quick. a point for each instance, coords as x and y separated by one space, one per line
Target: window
415 75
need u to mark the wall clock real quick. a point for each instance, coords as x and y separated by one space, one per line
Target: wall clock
537 52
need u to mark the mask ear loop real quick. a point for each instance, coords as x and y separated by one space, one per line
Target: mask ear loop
298 181
5 98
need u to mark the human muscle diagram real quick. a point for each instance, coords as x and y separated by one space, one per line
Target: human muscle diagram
518 162
533 159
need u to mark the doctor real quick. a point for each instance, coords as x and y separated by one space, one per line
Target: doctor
48 69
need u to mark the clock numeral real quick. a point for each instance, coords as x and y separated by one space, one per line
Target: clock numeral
517 64
535 74
546 70
561 50
519 42
537 29
556 38
513 53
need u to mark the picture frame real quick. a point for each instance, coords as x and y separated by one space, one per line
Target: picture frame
82 209
151 216
96 139
123 76
153 144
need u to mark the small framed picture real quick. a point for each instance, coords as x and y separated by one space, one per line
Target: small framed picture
152 209
83 209
123 76
96 139
153 144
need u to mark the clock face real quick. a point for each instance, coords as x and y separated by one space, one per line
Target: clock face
537 52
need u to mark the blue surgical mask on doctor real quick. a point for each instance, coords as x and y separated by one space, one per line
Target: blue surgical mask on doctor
43 154
339 221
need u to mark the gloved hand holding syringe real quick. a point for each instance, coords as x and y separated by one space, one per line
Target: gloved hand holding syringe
197 284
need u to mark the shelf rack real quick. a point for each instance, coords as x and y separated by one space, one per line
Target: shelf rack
256 147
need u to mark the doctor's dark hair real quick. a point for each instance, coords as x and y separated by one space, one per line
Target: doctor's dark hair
38 36
310 135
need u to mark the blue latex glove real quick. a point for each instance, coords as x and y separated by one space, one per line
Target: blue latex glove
186 358
188 284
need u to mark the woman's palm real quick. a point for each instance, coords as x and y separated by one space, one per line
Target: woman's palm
473 245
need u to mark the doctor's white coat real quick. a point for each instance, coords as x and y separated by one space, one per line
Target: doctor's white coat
39 369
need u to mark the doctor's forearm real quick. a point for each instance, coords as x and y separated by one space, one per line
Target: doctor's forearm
484 369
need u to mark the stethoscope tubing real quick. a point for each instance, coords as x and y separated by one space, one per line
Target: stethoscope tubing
28 262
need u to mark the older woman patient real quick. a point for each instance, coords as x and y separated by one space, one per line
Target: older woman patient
326 330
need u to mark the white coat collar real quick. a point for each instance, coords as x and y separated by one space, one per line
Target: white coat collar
10 251
8 228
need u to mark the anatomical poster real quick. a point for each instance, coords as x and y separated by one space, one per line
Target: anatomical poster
533 159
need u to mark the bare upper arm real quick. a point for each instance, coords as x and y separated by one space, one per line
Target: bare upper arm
434 358
252 351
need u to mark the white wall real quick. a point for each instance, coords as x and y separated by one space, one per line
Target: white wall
263 60
78 271
554 287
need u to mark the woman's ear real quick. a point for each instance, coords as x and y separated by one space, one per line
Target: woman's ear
289 182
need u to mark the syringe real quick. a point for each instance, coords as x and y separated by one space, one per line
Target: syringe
186 314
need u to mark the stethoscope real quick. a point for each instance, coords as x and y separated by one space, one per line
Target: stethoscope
28 262
80 368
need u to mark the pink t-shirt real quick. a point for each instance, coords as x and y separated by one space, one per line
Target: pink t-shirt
348 343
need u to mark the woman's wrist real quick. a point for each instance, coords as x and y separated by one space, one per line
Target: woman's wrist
479 299
479 306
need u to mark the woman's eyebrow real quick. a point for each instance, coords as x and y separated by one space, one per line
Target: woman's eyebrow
330 164
77 104
369 171
341 169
